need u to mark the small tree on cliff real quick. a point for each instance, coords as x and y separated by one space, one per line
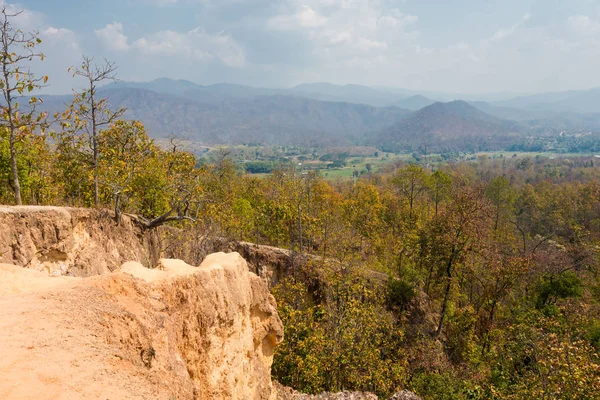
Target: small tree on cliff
17 51
124 147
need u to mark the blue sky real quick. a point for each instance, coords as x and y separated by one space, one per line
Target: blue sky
467 46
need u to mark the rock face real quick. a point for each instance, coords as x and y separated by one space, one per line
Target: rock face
270 263
70 241
178 332
286 393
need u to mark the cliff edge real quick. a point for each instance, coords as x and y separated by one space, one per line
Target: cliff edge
71 241
177 332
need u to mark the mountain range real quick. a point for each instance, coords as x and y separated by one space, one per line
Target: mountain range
323 114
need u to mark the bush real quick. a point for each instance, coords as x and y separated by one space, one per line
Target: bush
552 288
399 293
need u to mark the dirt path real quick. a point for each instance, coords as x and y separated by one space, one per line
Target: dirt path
49 344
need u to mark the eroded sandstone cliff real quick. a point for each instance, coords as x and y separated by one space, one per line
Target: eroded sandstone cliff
178 332
71 241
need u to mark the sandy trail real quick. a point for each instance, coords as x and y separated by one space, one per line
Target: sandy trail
49 341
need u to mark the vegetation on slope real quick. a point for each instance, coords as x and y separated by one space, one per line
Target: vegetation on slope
492 266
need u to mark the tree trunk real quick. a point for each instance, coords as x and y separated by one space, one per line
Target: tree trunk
446 296
15 172
11 123
118 207
94 142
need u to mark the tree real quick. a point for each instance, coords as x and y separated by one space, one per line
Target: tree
411 183
440 185
17 50
73 166
91 113
450 236
124 147
167 187
502 197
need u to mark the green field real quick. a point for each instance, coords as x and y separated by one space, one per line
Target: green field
342 163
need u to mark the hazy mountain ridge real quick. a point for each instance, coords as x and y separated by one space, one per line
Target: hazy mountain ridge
230 114
347 93
415 102
268 119
573 101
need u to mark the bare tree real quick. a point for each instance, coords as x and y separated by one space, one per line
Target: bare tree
93 112
17 51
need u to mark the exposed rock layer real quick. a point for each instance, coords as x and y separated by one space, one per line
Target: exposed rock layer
71 241
286 393
179 332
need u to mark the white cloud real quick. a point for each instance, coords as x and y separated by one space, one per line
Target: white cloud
27 20
196 45
343 41
60 46
62 49
583 25
306 17
62 37
112 37
347 30
504 33
366 44
158 3
162 3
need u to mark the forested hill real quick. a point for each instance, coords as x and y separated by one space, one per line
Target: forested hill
455 126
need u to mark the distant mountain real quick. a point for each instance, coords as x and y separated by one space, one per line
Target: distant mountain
161 85
347 93
510 113
202 94
308 115
415 102
538 105
456 125
271 119
573 101
228 91
582 102
296 120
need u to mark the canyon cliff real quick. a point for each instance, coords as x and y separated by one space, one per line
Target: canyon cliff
176 332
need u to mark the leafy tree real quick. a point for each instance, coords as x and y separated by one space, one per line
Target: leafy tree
18 49
411 183
449 237
502 198
562 286
124 147
440 185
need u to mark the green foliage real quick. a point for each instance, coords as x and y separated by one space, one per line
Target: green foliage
593 334
476 281
399 293
434 386
561 286
349 341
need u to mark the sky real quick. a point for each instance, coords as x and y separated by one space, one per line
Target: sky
460 46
